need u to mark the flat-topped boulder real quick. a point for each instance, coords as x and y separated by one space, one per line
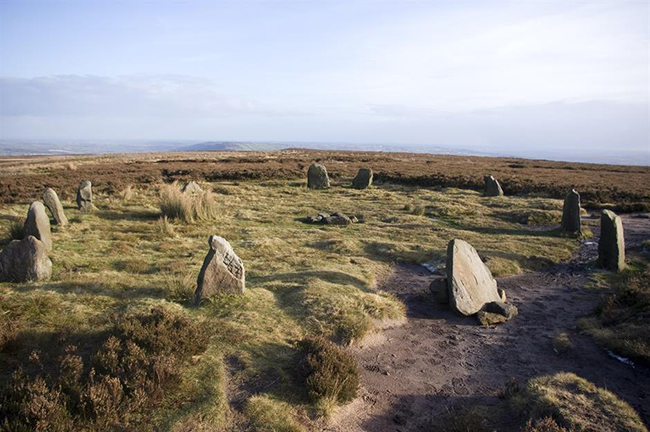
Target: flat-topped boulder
470 283
85 196
37 224
191 187
51 200
571 212
492 186
25 261
317 177
363 179
611 246
222 271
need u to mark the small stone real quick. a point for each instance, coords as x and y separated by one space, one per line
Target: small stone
611 246
191 187
508 310
502 294
363 179
439 290
571 213
317 177
38 224
85 197
492 186
222 271
51 200
25 261
488 318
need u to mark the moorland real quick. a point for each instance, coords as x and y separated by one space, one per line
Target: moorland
336 329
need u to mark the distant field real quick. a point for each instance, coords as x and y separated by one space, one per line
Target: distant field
622 188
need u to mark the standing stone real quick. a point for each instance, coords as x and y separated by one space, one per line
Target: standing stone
222 271
317 177
611 246
363 179
38 224
85 197
191 187
492 186
25 261
51 200
470 282
571 212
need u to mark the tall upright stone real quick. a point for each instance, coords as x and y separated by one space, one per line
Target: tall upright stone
317 177
222 271
51 200
470 283
37 224
571 212
25 261
363 179
492 186
85 196
611 246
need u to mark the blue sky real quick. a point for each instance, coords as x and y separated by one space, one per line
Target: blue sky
483 75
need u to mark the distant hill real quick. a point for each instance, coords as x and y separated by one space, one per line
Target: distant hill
233 146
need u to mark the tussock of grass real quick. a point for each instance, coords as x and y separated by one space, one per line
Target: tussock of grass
561 343
269 415
180 287
189 208
331 375
621 319
576 404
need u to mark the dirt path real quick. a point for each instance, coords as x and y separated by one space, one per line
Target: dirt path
437 359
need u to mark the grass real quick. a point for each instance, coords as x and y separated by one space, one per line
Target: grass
576 404
620 321
302 280
268 415
175 204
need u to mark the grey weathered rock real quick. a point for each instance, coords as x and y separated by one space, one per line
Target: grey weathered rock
440 290
25 261
85 197
492 186
222 271
489 318
571 212
611 246
317 177
37 224
191 187
499 307
363 179
51 200
470 282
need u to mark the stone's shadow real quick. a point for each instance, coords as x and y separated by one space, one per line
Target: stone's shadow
551 232
330 276
93 288
128 215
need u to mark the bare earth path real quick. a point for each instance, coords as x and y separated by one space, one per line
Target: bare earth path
439 359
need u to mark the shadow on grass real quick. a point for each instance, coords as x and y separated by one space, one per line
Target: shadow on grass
330 276
142 215
95 289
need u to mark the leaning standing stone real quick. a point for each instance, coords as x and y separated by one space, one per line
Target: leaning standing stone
25 261
571 212
85 197
492 186
38 224
469 281
317 177
611 246
363 179
222 271
51 200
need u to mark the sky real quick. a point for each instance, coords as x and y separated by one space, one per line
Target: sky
542 76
